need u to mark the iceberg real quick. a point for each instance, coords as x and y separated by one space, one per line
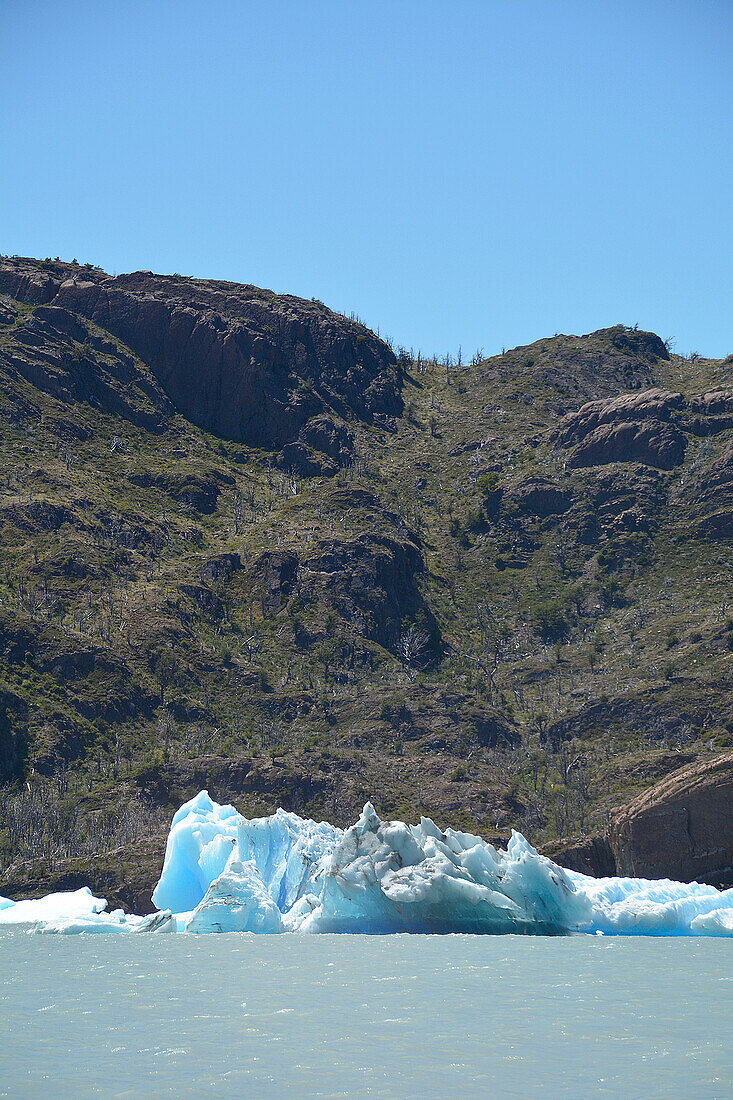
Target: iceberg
279 874
65 905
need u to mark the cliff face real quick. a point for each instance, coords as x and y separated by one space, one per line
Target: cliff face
247 364
681 828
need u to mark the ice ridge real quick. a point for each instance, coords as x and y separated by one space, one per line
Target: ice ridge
225 873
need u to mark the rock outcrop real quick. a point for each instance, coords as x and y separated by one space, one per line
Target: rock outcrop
634 427
590 855
712 494
538 496
682 828
77 363
324 445
612 502
652 442
371 584
650 427
245 363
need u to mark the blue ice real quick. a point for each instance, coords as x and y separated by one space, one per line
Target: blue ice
225 873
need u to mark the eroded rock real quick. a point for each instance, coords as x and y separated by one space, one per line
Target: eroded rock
242 362
651 442
681 828
541 497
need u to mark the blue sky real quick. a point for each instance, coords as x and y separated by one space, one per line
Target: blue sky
458 172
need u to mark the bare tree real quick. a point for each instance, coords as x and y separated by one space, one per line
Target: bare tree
413 646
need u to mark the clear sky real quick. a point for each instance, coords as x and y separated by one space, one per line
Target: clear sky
474 172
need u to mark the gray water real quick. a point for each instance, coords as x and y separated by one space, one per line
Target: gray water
363 1016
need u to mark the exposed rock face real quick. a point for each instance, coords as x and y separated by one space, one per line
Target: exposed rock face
653 404
371 582
219 569
323 447
273 575
199 489
607 503
651 442
634 427
541 497
644 345
682 828
245 363
712 493
590 855
709 413
647 427
13 716
74 361
330 437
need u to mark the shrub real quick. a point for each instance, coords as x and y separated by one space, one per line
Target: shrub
550 620
491 491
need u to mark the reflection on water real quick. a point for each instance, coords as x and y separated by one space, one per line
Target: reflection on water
360 1016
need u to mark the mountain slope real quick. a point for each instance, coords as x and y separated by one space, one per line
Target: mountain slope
245 545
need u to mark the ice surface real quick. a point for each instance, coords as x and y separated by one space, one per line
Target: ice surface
202 837
287 851
72 904
117 921
223 873
236 901
389 877
655 907
716 922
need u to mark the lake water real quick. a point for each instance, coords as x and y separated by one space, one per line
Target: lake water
363 1016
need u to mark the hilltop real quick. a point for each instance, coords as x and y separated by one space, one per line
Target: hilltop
250 546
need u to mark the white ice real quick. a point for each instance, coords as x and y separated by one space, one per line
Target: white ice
71 904
236 901
223 872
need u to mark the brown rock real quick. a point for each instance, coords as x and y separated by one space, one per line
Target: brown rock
541 497
708 413
634 427
682 828
62 355
371 582
273 575
712 493
245 363
651 442
219 569
301 459
330 437
590 855
653 404
643 427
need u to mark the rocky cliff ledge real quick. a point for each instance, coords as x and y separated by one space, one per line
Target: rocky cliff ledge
681 828
245 363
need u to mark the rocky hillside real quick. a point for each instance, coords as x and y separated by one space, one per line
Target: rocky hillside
248 546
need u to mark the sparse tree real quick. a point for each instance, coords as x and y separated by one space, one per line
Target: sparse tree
413 647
